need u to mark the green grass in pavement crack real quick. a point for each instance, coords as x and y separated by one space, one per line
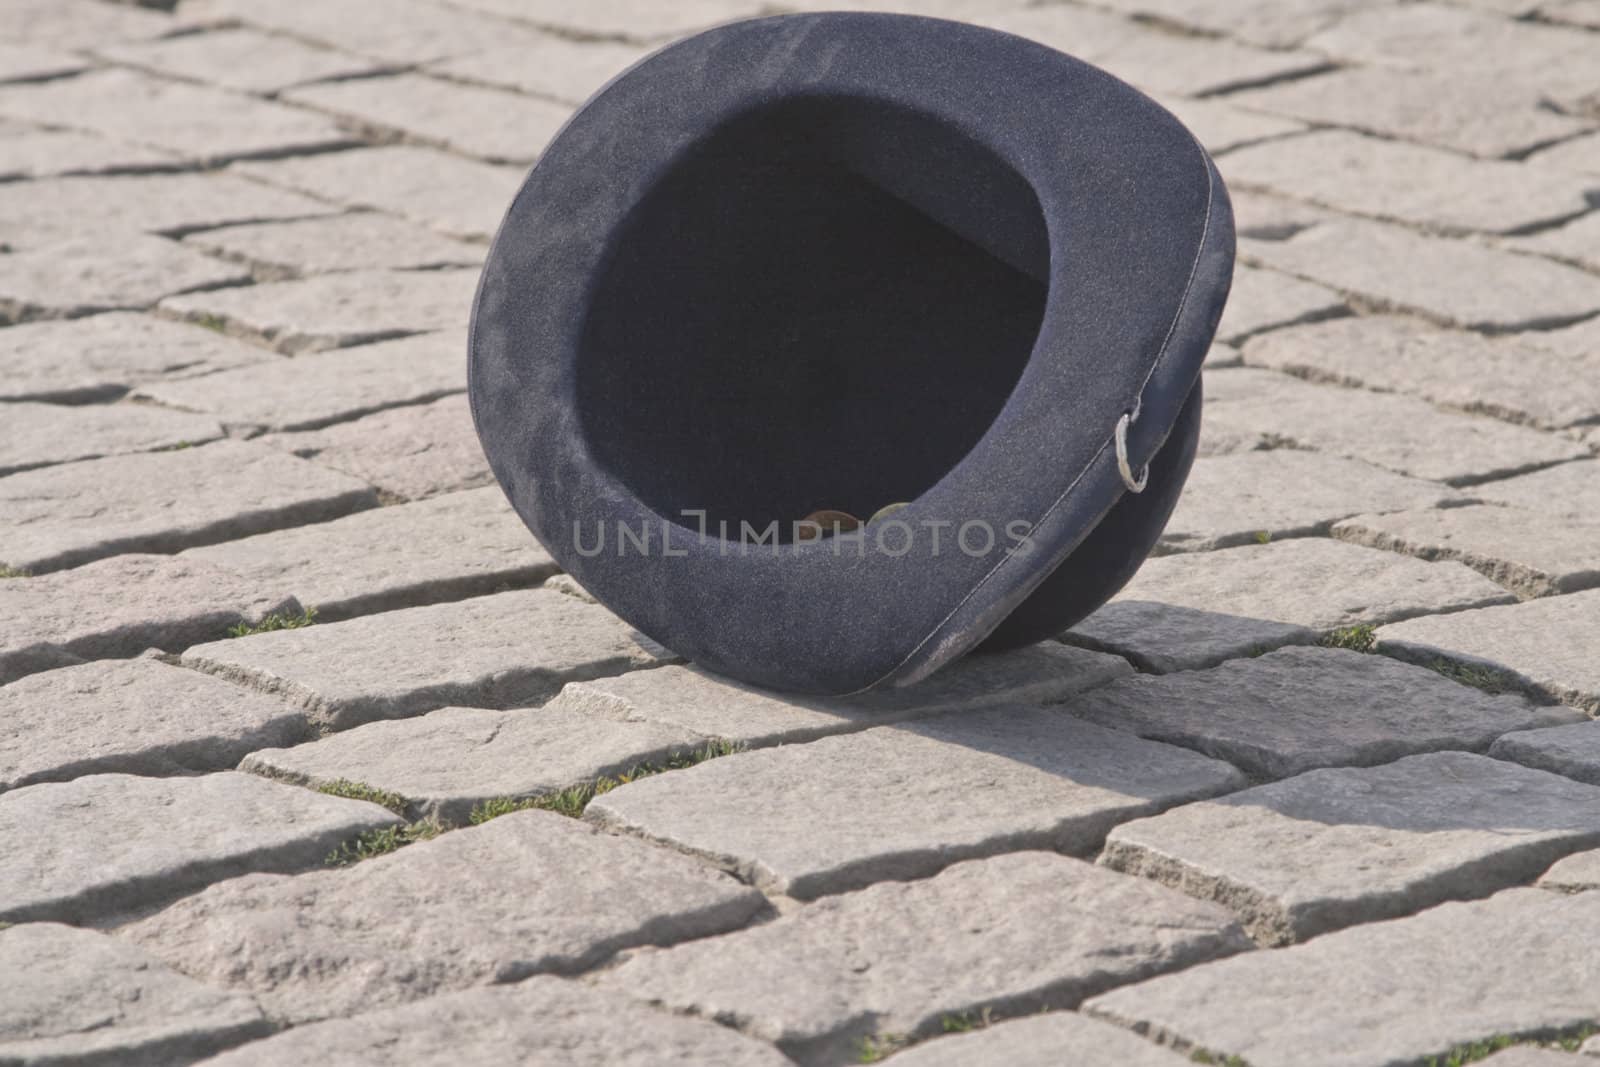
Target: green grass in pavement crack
344 787
879 1047
381 842
961 1022
1475 1051
1360 638
272 622
211 322
8 571
1263 537
1491 680
571 802
1201 1055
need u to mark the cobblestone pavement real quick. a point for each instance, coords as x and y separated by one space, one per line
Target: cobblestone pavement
308 752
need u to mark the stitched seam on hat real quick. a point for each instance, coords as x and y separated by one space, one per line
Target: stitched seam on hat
1172 328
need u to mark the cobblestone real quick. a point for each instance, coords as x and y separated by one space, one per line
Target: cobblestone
101 357
1517 968
1570 750
1528 553
1297 709
122 606
540 1020
100 846
1569 490
23 63
1333 848
1265 299
358 241
1042 1041
890 960
38 435
240 59
1577 242
202 124
459 197
713 707
136 716
1578 873
91 999
163 502
506 650
1512 378
1243 497
1545 642
564 70
80 23
412 454
489 904
494 125
1401 433
1409 183
448 548
54 153
944 789
127 272
336 310
326 387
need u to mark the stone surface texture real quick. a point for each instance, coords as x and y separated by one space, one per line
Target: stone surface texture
239 245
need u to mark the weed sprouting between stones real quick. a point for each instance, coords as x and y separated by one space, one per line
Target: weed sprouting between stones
1476 1051
8 571
1359 638
211 322
1491 680
1201 1055
344 787
272 622
381 842
572 802
879 1047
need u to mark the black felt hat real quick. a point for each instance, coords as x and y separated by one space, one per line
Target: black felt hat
845 261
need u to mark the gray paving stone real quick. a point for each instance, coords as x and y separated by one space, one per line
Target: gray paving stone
1401 433
23 62
1583 13
323 387
80 23
1510 378
1265 300
397 31
1578 873
1196 609
1333 848
1453 281
1235 499
1570 490
1272 23
409 454
360 240
1580 340
54 210
540 1020
163 502
1409 183
335 310
203 124
1528 553
1297 709
491 904
447 548
52 153
103 845
713 707
450 760
895 959
1272 218
92 1000
1548 643
558 68
1460 110
505 650
100 357
1533 1056
460 197
635 19
122 606
1572 750
944 789
1577 242
1581 154
1150 58
38 435
239 58
492 124
1042 1041
1222 127
136 716
86 275
1371 996
1162 638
